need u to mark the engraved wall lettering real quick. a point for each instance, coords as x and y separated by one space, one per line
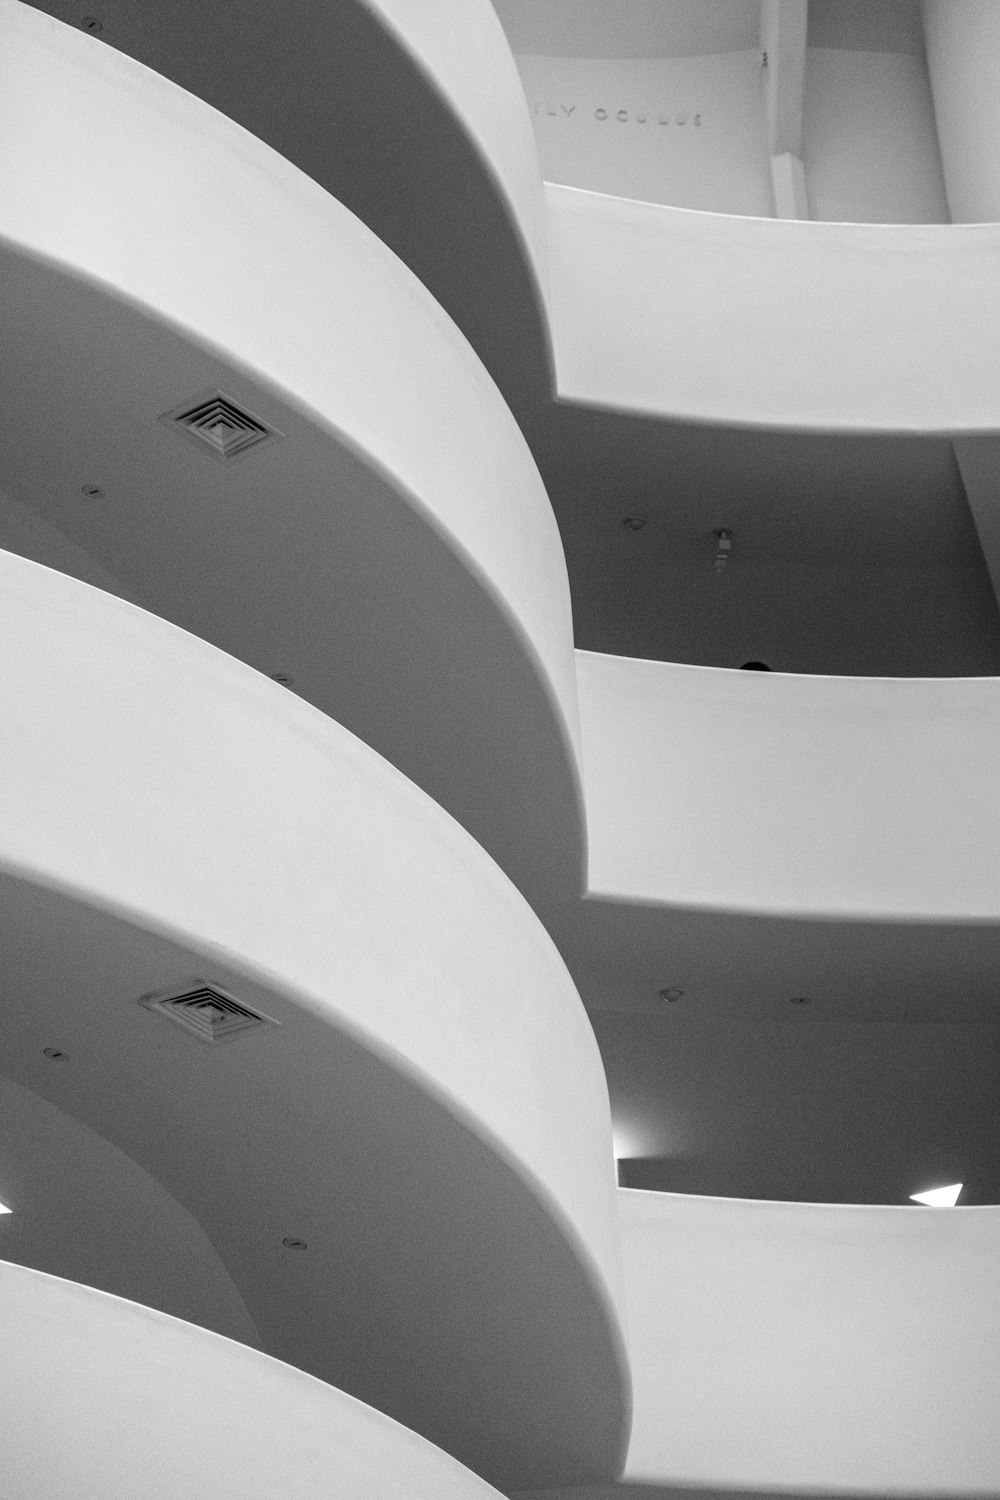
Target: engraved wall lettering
638 116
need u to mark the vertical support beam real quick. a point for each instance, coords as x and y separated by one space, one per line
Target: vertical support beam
783 35
979 465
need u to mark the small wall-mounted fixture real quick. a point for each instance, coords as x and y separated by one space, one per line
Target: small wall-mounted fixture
723 548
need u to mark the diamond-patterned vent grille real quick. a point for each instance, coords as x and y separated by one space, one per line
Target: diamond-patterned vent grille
208 1013
222 427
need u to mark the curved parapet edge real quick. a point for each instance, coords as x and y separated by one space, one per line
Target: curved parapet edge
846 1350
190 821
796 796
463 50
412 116
175 214
701 317
120 1391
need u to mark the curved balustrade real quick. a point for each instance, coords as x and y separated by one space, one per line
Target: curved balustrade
99 1396
429 1116
395 553
812 1348
828 327
833 797
412 116
416 119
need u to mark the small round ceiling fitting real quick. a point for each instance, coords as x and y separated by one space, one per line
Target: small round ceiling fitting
92 491
91 23
800 1000
291 1243
283 677
55 1054
671 993
634 523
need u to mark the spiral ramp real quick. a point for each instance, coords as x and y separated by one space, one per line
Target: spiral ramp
391 1201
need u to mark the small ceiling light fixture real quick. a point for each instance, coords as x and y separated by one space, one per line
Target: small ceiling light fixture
92 491
91 24
283 678
941 1197
800 1000
634 523
291 1243
671 993
55 1054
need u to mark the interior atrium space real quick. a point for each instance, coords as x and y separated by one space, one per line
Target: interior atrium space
499 823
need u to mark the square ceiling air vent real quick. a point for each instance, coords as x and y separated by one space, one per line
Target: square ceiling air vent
208 1013
217 424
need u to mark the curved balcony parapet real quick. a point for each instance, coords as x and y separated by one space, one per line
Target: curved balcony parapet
99 1396
848 798
672 313
429 1115
413 116
809 1348
396 553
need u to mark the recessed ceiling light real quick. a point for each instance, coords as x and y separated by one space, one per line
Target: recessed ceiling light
671 994
942 1197
800 1000
634 523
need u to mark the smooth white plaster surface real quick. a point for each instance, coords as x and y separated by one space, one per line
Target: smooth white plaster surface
461 46
869 140
773 793
842 327
181 210
274 838
962 39
813 1347
687 131
101 1399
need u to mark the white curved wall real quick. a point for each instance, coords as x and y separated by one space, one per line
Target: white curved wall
101 1399
179 217
147 774
809 795
182 210
463 49
962 38
840 327
813 1347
